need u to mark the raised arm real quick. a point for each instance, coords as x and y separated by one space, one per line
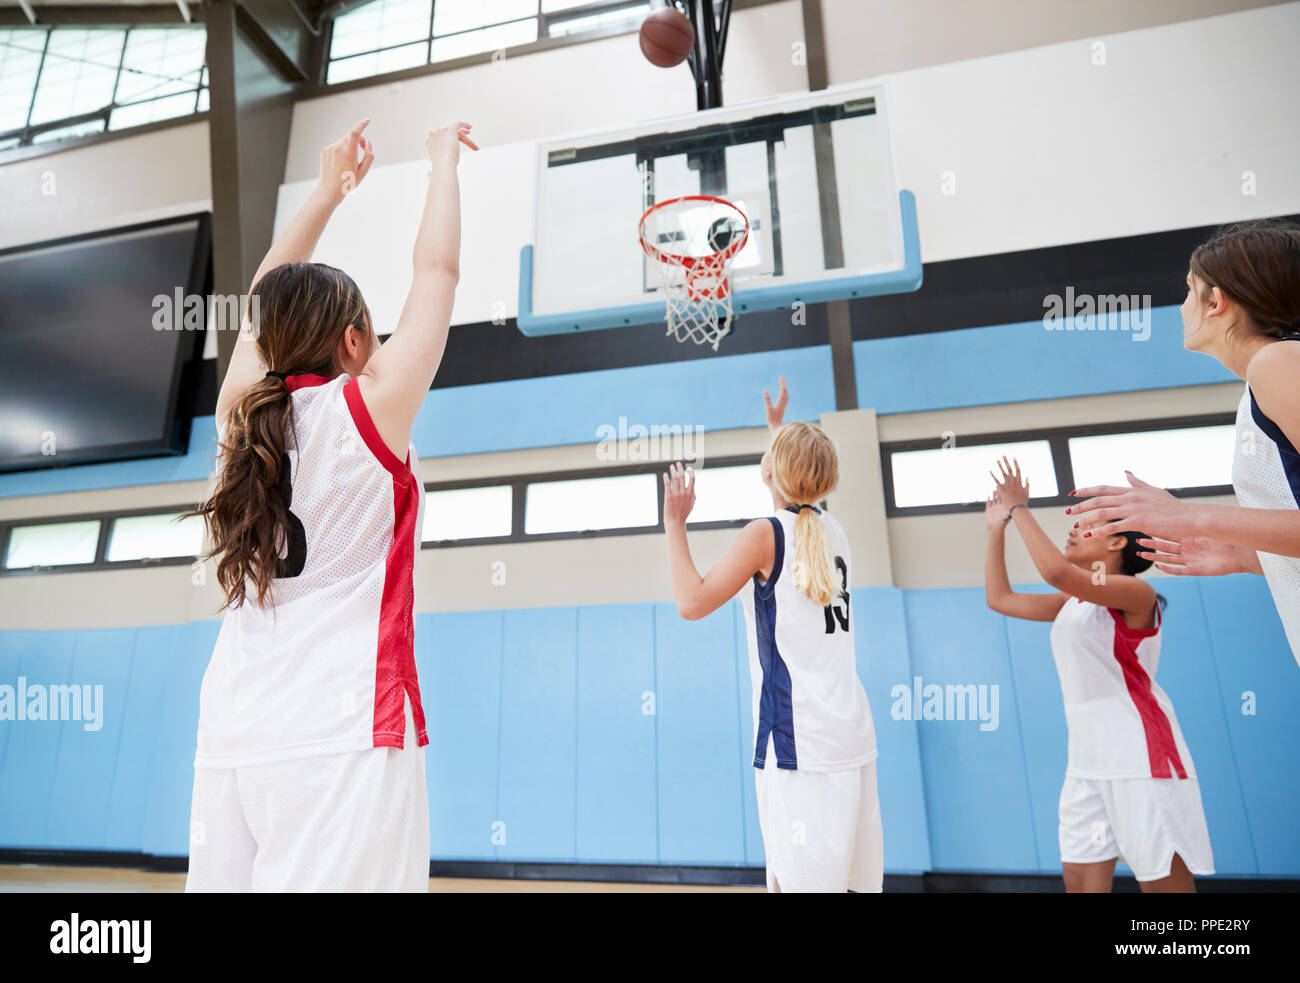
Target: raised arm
1130 595
398 376
997 586
340 172
751 553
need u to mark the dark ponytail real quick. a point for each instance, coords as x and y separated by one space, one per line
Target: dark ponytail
1131 564
303 311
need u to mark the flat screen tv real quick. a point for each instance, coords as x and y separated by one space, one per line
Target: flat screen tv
95 349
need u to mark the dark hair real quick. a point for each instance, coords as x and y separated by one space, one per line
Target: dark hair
1257 264
302 311
1130 563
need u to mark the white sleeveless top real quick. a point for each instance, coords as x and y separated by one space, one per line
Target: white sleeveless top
1266 475
810 710
1121 723
330 666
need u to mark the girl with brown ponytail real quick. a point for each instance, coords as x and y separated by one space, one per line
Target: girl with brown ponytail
1243 309
815 743
309 773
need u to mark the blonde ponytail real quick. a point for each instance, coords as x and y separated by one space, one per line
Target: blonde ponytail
805 468
814 568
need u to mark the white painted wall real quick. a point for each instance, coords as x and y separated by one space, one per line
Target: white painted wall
864 39
105 185
604 83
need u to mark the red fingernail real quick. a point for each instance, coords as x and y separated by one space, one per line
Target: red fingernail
1067 511
1086 535
1076 525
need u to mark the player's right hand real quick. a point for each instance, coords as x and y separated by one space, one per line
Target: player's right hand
679 494
444 143
340 169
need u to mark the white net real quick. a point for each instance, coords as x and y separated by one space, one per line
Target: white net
692 241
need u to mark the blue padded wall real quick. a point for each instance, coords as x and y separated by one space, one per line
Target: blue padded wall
622 734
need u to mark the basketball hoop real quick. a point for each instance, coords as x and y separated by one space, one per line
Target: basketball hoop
705 234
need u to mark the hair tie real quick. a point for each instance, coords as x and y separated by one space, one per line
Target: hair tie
279 375
796 509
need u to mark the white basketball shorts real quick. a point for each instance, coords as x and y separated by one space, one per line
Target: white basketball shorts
821 829
356 821
1143 821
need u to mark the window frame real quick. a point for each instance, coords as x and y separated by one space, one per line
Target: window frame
518 500
1058 440
26 148
101 561
516 482
544 42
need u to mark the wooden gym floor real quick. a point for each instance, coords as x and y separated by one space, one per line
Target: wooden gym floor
20 878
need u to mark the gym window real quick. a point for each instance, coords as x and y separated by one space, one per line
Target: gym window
385 36
62 82
612 501
160 536
467 513
1189 456
100 542
52 544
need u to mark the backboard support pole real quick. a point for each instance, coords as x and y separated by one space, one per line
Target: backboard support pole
839 321
710 26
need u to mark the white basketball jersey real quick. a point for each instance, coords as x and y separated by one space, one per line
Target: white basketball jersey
810 709
1266 475
328 667
1121 723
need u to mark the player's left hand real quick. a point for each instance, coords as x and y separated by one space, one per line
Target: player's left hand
679 494
1140 508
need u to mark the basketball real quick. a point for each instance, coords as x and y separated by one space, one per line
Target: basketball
667 37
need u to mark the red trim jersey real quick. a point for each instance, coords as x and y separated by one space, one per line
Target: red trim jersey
330 665
1121 723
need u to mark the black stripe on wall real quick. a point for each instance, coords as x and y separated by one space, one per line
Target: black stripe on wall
1009 288
1005 288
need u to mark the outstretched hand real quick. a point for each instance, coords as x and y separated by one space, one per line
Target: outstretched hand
444 143
995 511
1195 556
1140 507
340 170
1011 487
679 494
776 411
